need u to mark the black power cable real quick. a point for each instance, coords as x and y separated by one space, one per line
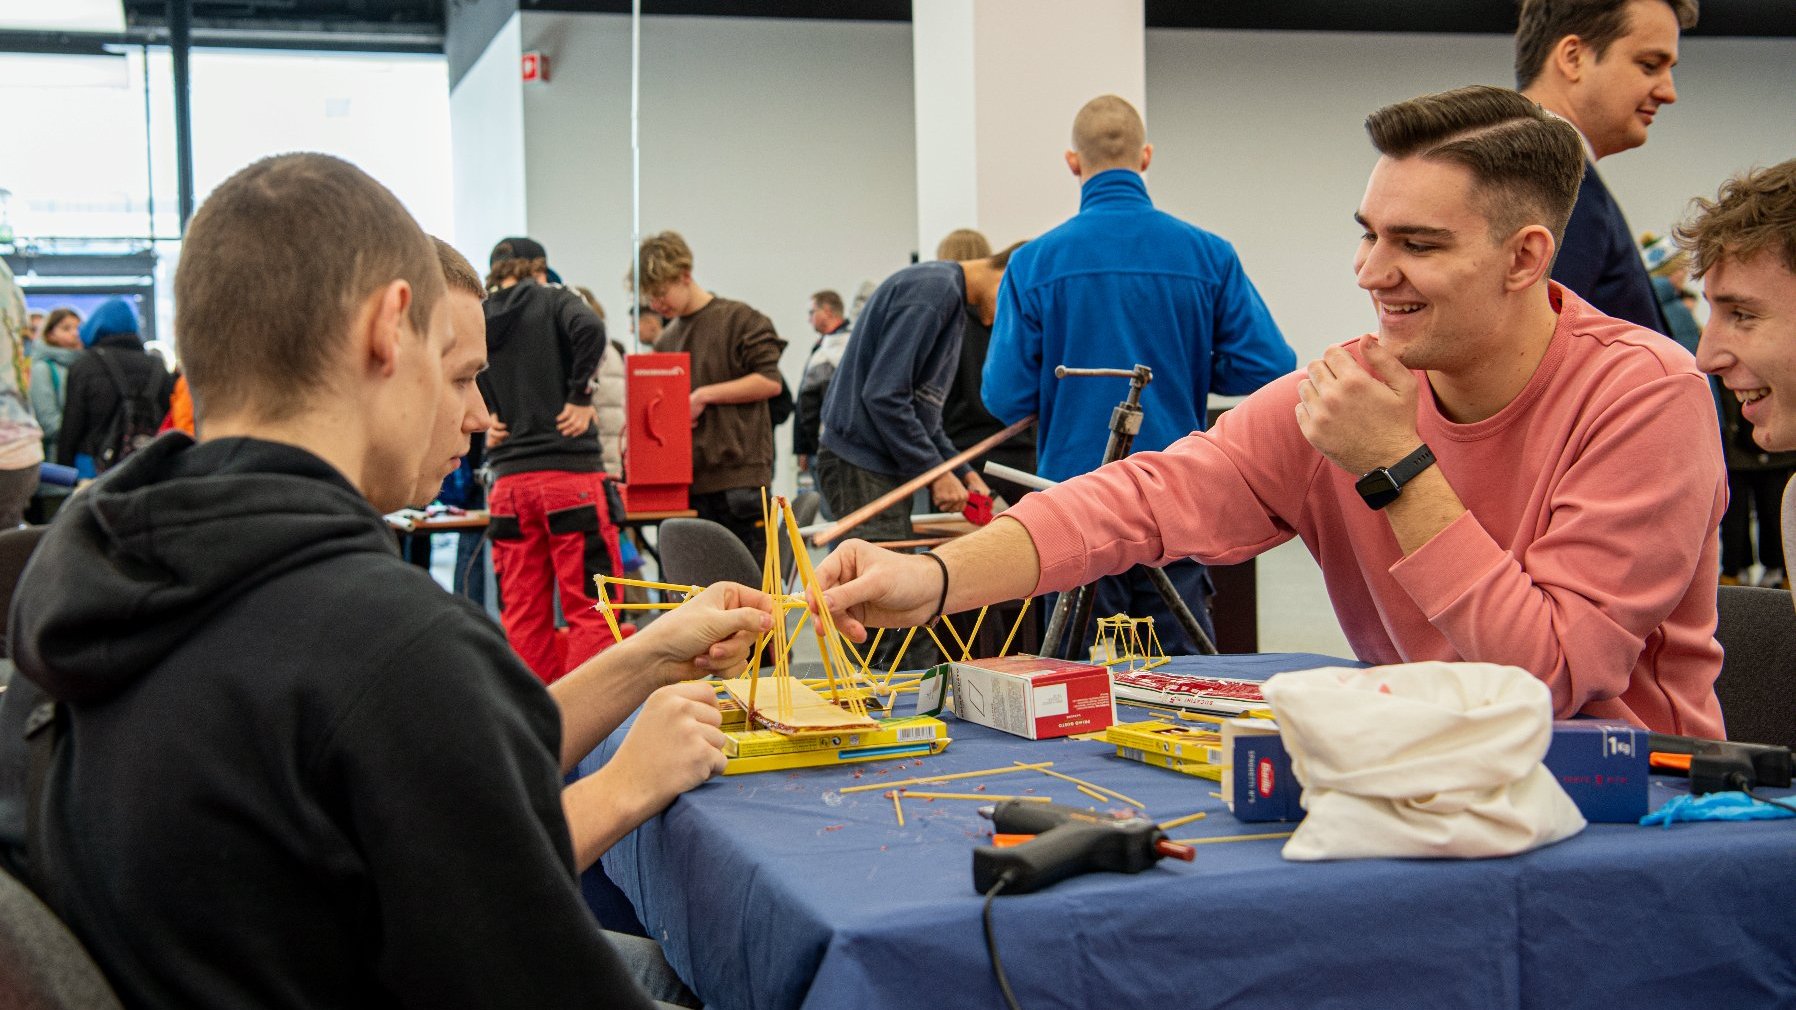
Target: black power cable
1766 799
991 941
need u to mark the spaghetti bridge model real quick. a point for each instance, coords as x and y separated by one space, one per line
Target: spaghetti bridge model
1130 640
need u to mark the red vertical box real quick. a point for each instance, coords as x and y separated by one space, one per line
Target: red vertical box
658 435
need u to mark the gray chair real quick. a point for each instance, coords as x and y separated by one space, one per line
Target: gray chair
42 965
805 507
1757 686
698 552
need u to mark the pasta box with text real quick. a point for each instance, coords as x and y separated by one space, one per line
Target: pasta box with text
1032 697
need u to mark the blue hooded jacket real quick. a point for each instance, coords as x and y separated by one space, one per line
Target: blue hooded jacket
1119 284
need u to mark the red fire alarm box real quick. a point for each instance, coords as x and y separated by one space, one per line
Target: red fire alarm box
658 445
536 67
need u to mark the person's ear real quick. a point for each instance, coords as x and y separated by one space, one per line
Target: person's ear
1072 164
1147 156
1571 57
1530 258
380 325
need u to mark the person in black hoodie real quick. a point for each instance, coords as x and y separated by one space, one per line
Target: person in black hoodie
116 376
551 517
285 769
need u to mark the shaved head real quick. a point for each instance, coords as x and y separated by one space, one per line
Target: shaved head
1107 133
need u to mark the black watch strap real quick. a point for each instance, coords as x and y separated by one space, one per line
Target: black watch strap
1382 486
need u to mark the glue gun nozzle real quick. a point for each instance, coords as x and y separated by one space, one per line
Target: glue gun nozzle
1174 850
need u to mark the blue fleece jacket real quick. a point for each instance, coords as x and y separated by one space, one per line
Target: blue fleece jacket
883 412
1120 284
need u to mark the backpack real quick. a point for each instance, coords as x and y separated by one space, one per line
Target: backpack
138 417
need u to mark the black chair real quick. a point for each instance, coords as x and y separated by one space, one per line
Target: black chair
16 546
1757 686
42 965
698 552
805 506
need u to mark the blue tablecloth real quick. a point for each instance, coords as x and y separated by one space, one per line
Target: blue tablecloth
776 890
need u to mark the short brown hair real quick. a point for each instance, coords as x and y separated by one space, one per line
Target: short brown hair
963 244
1754 211
665 258
1598 23
1526 163
514 269
1108 133
829 300
458 273
274 267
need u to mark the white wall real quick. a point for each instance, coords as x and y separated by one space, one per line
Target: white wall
783 150
1259 137
486 126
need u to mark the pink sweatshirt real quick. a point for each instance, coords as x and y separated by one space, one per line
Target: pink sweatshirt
1588 554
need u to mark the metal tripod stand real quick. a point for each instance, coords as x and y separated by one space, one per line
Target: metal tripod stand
1125 424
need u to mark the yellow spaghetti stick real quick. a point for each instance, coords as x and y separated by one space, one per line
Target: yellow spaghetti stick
1093 785
1179 822
899 658
604 607
990 797
1014 628
938 642
1094 794
928 779
897 807
1217 839
640 584
964 643
652 605
973 636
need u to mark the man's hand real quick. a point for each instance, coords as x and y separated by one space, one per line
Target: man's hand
574 420
949 494
712 633
697 403
1360 417
496 433
977 484
804 462
674 745
866 586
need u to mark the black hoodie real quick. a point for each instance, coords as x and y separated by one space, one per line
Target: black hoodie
543 344
295 772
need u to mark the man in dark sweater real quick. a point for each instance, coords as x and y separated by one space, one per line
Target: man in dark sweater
286 769
116 362
882 420
551 521
735 371
1605 67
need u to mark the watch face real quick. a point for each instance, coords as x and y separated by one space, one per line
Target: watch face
1378 488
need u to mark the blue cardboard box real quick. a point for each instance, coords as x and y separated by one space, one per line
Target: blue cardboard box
1601 763
1603 766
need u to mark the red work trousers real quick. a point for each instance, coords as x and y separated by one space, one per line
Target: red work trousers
552 528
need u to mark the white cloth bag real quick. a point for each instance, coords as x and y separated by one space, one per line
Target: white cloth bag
1431 760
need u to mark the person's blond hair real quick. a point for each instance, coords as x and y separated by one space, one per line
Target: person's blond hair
962 244
1108 133
1753 212
273 269
665 258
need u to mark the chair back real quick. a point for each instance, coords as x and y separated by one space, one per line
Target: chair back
42 965
698 552
1757 687
804 512
16 546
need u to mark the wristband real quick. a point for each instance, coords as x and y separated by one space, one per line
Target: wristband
941 605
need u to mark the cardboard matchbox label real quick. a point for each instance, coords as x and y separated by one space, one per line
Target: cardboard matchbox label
1033 698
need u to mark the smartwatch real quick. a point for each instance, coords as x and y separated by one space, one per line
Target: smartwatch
1382 486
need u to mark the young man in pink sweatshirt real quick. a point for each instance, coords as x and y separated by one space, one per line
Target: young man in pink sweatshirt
1501 474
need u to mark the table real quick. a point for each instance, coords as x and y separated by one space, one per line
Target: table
775 891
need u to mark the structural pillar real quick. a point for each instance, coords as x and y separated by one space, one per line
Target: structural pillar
997 85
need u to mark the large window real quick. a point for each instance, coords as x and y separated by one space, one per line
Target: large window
90 162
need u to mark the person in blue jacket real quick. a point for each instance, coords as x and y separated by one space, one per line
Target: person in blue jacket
1121 284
